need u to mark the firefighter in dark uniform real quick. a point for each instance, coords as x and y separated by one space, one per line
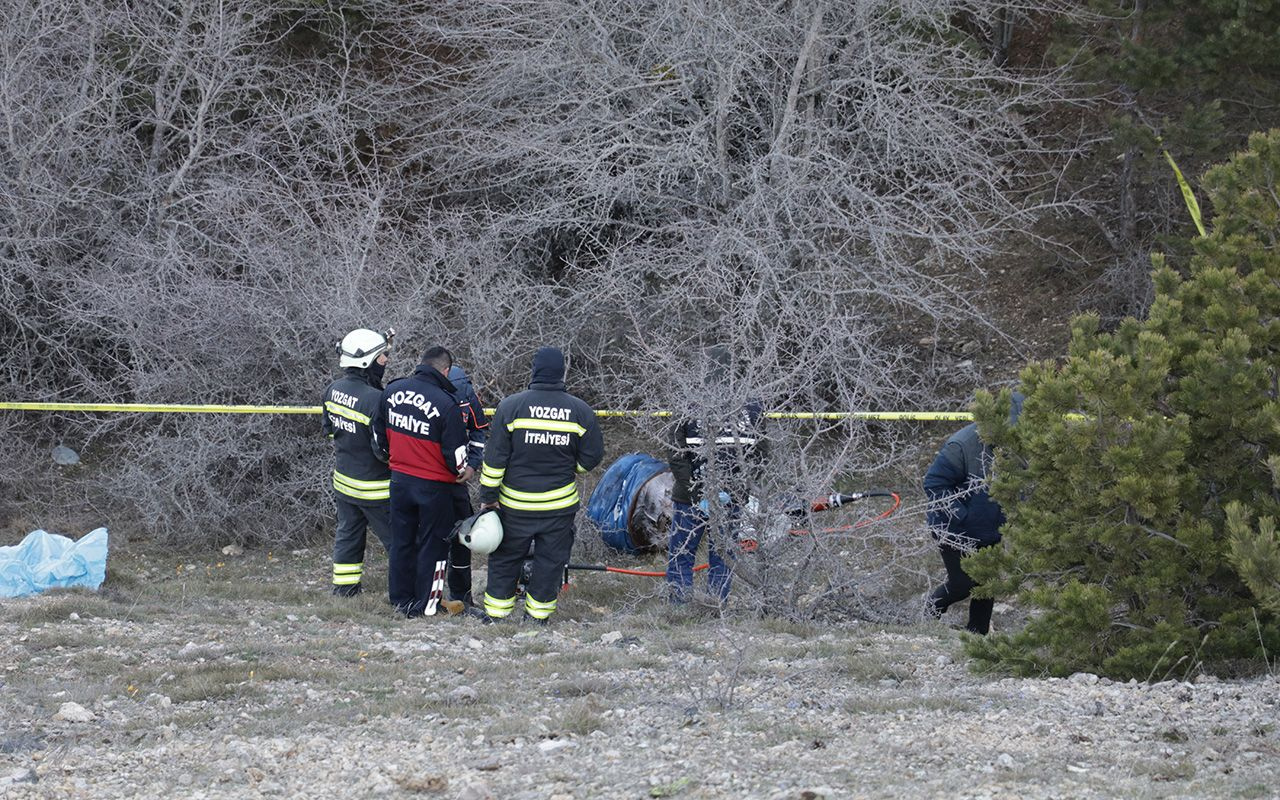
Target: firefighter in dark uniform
361 480
419 426
477 433
726 455
539 441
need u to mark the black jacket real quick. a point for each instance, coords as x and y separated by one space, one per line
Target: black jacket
961 512
736 448
360 475
473 414
539 440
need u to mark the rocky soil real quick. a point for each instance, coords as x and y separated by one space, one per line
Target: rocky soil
241 677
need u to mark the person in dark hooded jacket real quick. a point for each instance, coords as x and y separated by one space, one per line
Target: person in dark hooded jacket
540 440
962 517
477 421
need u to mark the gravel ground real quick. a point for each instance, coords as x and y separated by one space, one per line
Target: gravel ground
243 678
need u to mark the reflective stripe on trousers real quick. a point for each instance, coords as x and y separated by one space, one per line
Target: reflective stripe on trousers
498 608
347 574
361 490
538 609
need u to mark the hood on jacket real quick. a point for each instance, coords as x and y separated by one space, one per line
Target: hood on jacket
548 367
458 377
1015 407
371 374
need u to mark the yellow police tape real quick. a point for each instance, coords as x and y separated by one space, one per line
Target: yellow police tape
185 408
1188 196
170 408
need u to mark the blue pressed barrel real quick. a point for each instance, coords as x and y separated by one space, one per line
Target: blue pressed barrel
613 501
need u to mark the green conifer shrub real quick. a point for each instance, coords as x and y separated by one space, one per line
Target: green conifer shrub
1140 482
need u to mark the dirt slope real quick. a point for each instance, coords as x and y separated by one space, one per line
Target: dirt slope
241 677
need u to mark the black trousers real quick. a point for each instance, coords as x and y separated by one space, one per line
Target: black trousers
354 521
459 554
422 516
957 588
551 537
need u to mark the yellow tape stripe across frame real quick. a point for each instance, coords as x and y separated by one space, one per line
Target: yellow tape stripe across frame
183 408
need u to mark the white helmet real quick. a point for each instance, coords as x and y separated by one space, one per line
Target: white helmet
481 533
361 347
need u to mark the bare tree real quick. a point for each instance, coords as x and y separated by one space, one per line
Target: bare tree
200 197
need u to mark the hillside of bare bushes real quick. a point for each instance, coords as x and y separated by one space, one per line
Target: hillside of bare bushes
874 204
198 199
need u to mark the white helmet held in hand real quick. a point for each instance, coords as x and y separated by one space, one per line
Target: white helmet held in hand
481 533
361 347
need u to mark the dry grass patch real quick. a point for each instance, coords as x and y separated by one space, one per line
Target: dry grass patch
693 647
184 683
20 741
581 687
61 637
799 629
815 737
874 705
506 728
582 717
580 662
57 605
870 667
1165 769
258 591
367 609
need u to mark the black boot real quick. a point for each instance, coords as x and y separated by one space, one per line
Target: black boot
937 604
349 590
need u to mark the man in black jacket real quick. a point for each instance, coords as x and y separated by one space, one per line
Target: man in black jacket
419 426
962 517
539 441
361 479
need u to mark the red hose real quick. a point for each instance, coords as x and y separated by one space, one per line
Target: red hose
897 503
750 545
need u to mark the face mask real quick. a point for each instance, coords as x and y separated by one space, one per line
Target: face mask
376 371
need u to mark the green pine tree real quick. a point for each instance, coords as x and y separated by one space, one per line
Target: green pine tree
1140 481
1191 77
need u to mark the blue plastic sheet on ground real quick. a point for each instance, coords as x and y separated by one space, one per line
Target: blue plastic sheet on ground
43 560
614 500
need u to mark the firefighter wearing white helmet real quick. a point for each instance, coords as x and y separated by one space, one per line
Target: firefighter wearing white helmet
361 479
362 347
